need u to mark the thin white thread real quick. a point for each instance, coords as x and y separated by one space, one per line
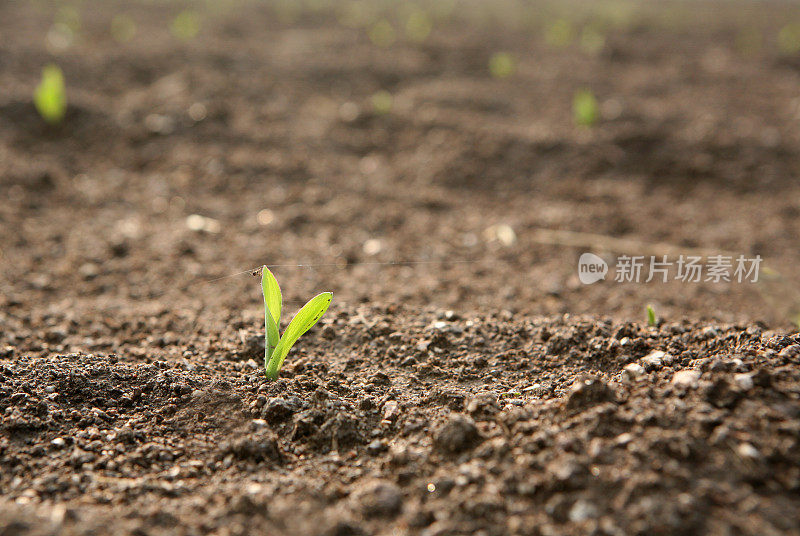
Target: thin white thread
256 270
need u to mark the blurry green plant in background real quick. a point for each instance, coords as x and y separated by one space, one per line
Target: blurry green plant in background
560 33
50 96
382 102
502 65
382 33
186 25
418 25
585 109
789 39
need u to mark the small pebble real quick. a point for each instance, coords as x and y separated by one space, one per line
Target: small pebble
655 360
633 371
743 381
746 450
686 378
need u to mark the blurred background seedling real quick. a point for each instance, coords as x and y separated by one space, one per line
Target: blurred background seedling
585 110
382 102
502 65
789 39
560 33
418 25
382 34
50 96
186 25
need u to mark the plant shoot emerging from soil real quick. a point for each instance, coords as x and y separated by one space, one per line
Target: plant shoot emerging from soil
651 316
50 96
276 347
502 65
382 102
585 109
186 25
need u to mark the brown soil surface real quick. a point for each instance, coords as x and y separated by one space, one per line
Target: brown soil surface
481 388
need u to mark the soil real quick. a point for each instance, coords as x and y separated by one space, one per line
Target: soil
479 388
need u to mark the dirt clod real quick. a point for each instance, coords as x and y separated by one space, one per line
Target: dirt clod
456 435
378 499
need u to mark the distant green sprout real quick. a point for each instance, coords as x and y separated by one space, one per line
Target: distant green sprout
123 28
382 102
789 38
502 65
418 25
276 347
186 25
560 34
585 109
50 96
651 316
382 33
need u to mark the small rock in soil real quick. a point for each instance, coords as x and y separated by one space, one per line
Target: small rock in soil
686 378
253 449
378 498
633 371
457 435
276 410
656 360
587 392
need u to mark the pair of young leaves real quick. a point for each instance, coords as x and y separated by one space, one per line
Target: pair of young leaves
276 346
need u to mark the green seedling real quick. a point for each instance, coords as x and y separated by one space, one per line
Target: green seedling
186 25
789 39
418 25
382 102
276 347
560 34
585 109
50 96
651 316
382 33
502 65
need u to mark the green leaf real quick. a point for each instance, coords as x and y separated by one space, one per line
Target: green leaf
302 322
585 109
651 316
272 310
50 96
